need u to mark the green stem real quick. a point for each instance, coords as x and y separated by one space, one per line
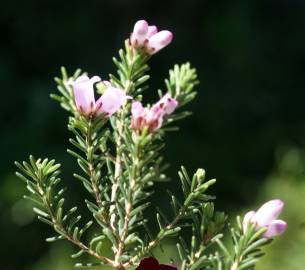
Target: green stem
128 85
58 226
118 166
129 200
93 177
158 239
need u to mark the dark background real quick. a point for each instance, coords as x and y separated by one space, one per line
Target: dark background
250 57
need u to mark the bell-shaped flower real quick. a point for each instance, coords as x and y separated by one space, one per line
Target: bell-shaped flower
158 41
147 37
152 29
137 112
139 34
266 216
152 118
167 104
111 100
84 93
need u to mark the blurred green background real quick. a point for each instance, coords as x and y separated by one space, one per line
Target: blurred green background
248 126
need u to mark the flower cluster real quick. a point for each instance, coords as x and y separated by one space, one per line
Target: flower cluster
147 37
143 36
112 99
266 216
152 118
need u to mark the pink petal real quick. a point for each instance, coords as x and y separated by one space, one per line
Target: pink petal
152 29
159 41
151 115
82 78
139 33
137 115
268 212
110 101
276 227
247 219
137 109
154 118
95 79
84 93
167 103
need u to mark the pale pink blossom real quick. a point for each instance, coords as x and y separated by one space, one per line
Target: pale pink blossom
152 29
266 216
158 41
84 93
137 112
147 37
139 34
152 118
167 103
112 99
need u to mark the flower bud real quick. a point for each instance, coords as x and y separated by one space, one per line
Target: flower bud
266 216
247 219
276 227
200 173
137 112
152 118
152 29
159 41
147 36
139 33
167 103
268 212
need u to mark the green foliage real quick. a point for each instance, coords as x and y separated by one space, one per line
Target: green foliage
42 181
187 210
246 248
181 82
119 168
206 225
132 66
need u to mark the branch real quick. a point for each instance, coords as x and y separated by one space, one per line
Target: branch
131 68
194 196
41 178
247 248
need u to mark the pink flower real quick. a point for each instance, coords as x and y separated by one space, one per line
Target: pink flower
139 34
152 118
138 115
266 216
167 103
147 37
112 99
158 41
84 93
152 29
